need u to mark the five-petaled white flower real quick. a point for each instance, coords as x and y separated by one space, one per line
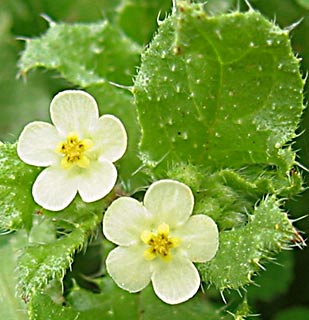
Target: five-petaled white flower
79 151
158 241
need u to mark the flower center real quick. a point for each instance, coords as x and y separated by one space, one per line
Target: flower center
73 150
160 243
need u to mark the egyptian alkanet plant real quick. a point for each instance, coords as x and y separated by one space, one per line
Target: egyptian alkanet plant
152 160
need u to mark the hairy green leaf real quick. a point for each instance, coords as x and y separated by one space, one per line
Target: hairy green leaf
288 14
44 261
41 263
242 251
85 54
222 91
16 178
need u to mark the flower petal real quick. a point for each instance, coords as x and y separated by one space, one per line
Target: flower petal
111 137
175 281
96 181
54 189
199 238
125 220
169 201
74 111
37 144
128 268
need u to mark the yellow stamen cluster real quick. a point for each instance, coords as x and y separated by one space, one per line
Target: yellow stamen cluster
160 243
74 151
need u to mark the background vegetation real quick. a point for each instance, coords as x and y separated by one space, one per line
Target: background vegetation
284 291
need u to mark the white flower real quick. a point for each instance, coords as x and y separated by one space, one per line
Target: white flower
78 151
158 241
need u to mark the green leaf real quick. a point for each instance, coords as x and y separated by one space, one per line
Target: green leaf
12 307
242 251
84 54
221 91
115 303
16 178
41 263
